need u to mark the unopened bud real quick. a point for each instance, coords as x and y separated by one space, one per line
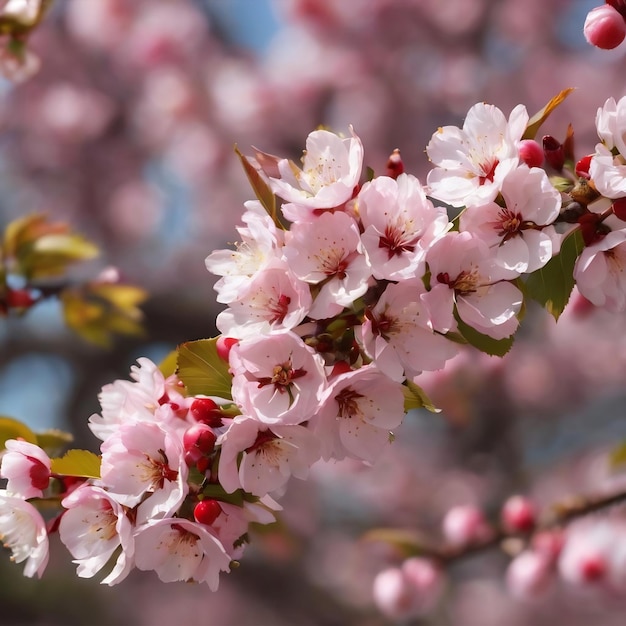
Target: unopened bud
465 525
605 27
529 574
518 515
530 152
395 166
619 208
553 152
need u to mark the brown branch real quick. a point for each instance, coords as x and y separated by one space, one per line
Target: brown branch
561 514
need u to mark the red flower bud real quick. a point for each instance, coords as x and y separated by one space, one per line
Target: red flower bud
531 152
605 27
207 511
395 166
553 152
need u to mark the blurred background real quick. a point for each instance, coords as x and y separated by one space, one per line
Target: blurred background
128 133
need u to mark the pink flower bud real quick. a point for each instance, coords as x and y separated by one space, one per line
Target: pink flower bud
518 515
392 593
529 574
530 152
464 525
223 346
199 437
409 591
605 27
427 580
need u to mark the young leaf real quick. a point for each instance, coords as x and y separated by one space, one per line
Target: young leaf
535 122
260 187
13 429
202 370
53 441
80 463
552 285
168 364
408 542
617 456
415 398
486 344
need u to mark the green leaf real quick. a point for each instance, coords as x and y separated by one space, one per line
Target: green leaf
486 344
535 122
260 187
53 441
14 429
551 286
202 370
168 364
80 463
415 398
408 542
617 456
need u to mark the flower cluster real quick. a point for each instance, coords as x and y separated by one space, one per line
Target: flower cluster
341 292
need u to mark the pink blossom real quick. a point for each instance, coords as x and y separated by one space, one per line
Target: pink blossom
328 252
124 401
23 531
273 300
260 241
519 233
331 170
180 550
471 162
277 379
143 459
464 525
599 272
92 528
611 124
400 223
357 413
594 552
529 574
27 468
410 590
464 265
398 335
608 173
232 526
260 460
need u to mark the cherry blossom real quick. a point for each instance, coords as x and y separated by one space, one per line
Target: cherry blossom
463 264
471 162
520 232
180 550
277 379
23 531
142 459
27 468
331 170
124 401
357 413
398 333
400 223
274 299
599 271
260 244
260 460
608 173
328 252
594 553
92 528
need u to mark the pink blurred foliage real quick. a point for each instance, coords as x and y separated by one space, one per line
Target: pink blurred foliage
129 87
